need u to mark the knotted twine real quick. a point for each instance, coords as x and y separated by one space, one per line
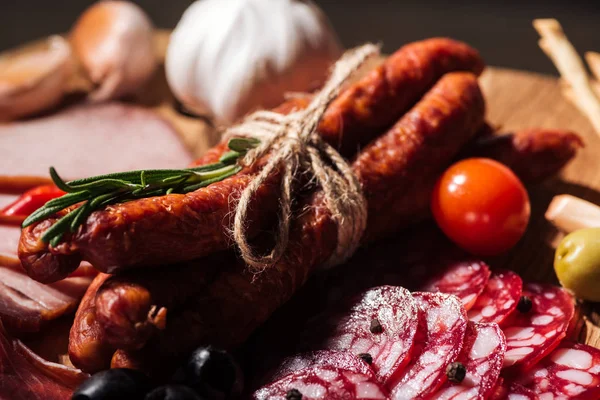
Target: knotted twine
295 149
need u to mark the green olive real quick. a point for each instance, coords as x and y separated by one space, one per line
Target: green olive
577 263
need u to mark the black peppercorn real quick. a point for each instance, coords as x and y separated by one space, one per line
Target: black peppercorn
524 305
376 326
366 357
293 394
456 372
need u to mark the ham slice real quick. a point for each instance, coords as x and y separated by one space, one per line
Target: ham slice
26 304
91 140
24 375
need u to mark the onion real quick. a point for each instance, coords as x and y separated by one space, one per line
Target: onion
114 43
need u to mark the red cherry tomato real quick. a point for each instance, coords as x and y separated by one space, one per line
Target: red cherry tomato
31 200
481 205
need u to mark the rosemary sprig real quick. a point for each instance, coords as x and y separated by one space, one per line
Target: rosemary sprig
99 191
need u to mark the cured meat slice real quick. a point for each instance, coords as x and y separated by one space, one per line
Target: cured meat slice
323 382
499 298
533 334
442 325
382 322
323 358
466 280
26 304
91 140
9 242
513 391
482 356
571 371
24 375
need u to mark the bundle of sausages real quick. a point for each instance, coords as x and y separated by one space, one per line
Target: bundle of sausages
400 126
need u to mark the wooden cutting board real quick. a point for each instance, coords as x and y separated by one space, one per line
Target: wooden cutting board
518 99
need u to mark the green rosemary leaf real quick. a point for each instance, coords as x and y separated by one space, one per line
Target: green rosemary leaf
58 229
68 199
242 145
40 214
177 179
59 182
143 178
202 176
191 188
81 215
229 158
103 185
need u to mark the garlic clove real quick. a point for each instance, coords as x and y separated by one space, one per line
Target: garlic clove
230 57
570 213
114 43
34 78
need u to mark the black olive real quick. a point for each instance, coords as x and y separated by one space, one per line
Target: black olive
213 373
173 392
114 384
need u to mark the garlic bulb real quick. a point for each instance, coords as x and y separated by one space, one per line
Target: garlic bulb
114 42
34 78
230 57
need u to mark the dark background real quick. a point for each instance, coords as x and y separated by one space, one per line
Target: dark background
501 30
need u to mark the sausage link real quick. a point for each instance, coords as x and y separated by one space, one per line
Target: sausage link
88 348
173 228
236 301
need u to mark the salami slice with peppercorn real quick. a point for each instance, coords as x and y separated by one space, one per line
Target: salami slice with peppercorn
571 371
538 324
499 298
465 280
439 339
380 326
476 371
323 381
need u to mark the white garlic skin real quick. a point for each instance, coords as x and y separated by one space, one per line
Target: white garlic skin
114 43
230 57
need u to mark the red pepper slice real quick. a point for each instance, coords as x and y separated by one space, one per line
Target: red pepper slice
31 200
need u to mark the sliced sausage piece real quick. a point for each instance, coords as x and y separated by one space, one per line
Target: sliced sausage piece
482 356
465 280
382 323
323 358
531 334
323 382
571 371
513 391
439 339
499 298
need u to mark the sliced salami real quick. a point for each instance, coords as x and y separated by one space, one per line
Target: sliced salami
466 280
324 358
499 298
482 356
571 371
381 323
535 328
439 339
513 391
323 382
